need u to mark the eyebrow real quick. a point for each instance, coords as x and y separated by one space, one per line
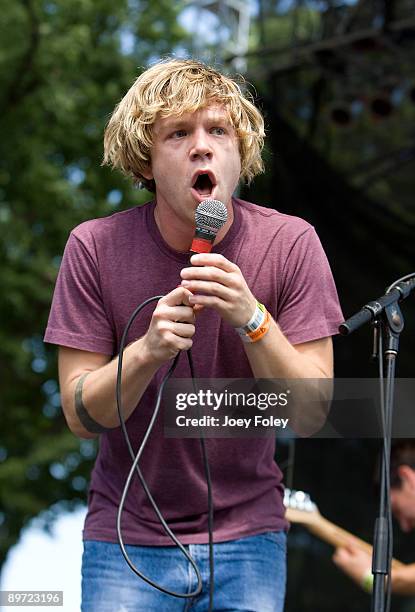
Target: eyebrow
179 123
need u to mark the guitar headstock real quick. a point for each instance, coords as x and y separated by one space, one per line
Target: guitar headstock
300 508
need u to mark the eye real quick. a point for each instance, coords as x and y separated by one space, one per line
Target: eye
219 131
179 134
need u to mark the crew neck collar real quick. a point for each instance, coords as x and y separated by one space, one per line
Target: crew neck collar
184 256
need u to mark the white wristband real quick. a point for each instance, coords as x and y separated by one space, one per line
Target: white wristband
254 322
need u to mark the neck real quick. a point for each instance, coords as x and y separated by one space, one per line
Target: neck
178 234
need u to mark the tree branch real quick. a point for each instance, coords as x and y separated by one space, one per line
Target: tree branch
304 54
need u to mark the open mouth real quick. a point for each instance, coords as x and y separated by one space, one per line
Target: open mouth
204 185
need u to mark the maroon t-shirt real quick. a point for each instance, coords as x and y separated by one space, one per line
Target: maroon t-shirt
110 266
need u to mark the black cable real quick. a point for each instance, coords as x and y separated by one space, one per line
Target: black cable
135 467
210 496
400 280
386 453
387 457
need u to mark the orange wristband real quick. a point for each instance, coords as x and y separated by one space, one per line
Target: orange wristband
256 335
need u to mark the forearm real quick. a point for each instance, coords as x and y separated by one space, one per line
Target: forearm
273 356
403 580
88 380
93 399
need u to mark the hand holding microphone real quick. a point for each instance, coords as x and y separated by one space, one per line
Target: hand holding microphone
217 282
172 324
171 328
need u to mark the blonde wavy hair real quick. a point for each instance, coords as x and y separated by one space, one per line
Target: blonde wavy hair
174 87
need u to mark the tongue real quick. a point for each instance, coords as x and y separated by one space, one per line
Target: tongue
203 190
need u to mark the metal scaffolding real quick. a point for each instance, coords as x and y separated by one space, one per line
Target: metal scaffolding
229 32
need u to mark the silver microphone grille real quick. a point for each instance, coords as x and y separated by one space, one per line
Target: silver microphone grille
211 214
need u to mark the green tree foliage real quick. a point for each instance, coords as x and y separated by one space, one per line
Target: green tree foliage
63 66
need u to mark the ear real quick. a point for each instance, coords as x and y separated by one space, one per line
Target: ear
407 475
147 172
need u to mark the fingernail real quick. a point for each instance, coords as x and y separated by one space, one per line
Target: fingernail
185 283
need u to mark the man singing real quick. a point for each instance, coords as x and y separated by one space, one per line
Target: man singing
187 133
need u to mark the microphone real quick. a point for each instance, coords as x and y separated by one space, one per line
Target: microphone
373 309
210 216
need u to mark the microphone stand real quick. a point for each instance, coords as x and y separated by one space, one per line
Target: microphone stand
387 319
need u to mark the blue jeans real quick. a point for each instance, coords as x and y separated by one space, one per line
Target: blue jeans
250 576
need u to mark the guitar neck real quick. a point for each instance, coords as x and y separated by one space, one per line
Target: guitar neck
336 536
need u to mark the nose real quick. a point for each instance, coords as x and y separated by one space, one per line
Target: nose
201 148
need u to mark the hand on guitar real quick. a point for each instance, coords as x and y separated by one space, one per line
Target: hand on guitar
353 555
357 563
354 562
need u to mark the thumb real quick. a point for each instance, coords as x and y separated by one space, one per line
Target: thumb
339 554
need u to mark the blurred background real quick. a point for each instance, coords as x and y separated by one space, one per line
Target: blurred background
336 83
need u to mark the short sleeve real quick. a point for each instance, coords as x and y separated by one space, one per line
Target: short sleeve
78 318
308 305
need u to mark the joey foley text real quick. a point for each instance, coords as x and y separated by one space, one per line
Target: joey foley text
205 398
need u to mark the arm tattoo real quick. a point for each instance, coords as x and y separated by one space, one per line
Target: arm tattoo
87 421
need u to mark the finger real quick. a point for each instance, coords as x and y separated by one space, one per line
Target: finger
179 295
209 288
211 301
182 314
184 330
207 273
174 313
351 547
213 259
340 557
178 343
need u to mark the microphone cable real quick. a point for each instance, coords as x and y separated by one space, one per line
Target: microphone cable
135 468
386 427
385 477
405 278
